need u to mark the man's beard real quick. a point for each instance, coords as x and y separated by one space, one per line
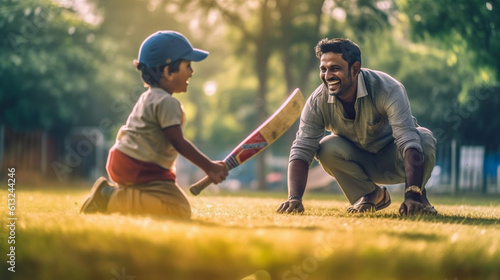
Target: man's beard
343 87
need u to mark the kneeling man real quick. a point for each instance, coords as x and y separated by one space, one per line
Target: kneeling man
374 137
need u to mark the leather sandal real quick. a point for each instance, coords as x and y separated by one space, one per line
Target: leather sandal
359 206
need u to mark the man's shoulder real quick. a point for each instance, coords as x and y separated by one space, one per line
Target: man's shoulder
319 92
379 81
375 76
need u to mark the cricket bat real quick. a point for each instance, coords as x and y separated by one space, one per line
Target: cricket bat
262 137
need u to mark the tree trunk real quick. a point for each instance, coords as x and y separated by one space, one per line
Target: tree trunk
262 58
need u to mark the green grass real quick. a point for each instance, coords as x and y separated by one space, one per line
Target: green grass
233 236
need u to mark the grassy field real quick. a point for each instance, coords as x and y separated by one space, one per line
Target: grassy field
239 236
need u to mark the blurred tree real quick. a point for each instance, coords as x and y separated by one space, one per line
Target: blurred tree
50 67
131 21
470 24
476 117
431 82
468 29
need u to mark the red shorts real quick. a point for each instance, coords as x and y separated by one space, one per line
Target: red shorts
123 169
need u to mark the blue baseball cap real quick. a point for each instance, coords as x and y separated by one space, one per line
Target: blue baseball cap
164 47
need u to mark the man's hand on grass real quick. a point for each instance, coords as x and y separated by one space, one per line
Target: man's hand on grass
412 205
291 206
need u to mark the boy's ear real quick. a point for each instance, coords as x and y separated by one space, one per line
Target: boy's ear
166 73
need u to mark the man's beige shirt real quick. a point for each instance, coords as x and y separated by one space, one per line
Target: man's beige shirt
383 116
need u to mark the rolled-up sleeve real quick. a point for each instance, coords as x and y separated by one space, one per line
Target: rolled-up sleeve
311 130
401 119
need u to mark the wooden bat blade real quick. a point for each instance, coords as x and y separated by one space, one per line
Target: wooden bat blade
272 128
262 137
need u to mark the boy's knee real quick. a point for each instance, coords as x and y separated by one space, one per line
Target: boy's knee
177 210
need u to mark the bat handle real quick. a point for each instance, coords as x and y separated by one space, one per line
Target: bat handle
197 187
202 184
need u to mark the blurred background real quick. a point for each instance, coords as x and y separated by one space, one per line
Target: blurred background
67 82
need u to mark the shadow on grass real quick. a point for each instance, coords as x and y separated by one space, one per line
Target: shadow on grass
413 236
339 213
470 199
447 219
267 226
440 218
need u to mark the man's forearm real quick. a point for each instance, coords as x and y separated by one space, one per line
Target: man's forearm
414 167
297 177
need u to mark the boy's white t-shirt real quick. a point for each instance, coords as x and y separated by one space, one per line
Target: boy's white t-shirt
142 136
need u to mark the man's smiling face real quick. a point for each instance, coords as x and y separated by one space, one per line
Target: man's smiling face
336 74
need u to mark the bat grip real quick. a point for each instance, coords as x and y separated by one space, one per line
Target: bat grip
197 187
202 184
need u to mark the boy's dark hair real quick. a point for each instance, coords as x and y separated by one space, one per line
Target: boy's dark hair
152 76
349 50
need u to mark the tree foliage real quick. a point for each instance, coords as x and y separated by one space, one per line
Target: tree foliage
472 24
50 62
468 29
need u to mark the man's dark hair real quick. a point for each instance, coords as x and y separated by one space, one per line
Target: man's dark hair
349 50
152 76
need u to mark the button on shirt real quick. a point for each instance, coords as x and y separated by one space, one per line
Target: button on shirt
383 116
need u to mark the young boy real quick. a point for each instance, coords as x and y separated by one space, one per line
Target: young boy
141 163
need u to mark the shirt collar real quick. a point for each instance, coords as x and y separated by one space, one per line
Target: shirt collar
362 92
159 89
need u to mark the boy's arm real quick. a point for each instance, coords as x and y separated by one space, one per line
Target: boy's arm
217 171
